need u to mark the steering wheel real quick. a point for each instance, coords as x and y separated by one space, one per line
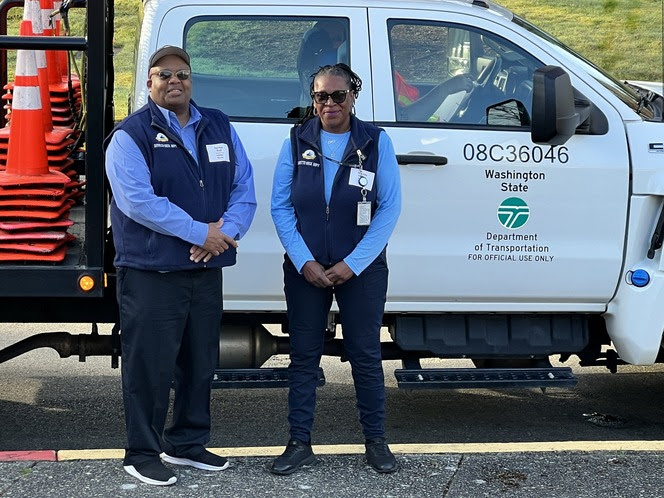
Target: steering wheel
483 80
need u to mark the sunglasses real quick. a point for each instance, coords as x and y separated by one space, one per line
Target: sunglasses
165 74
338 97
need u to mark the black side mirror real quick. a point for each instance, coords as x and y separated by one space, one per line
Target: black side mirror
555 118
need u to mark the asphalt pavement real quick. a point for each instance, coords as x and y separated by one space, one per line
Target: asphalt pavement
557 474
604 438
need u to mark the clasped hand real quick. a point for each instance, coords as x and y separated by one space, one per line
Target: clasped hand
318 276
216 242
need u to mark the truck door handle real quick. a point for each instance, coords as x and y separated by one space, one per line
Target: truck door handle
421 159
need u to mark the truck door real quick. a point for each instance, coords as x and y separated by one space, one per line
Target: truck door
249 62
503 224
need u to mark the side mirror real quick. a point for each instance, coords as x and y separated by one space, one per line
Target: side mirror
554 119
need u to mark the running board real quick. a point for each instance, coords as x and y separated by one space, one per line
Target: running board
460 378
247 378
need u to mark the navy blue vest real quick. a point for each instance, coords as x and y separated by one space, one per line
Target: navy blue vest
201 190
331 232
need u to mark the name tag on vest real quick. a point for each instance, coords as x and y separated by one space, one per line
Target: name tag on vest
218 153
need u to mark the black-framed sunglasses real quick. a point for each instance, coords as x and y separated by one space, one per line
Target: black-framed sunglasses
182 74
338 96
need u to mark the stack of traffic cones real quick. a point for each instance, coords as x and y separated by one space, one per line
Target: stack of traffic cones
64 90
34 201
59 139
63 56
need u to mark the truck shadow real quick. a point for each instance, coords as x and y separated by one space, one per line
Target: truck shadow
87 412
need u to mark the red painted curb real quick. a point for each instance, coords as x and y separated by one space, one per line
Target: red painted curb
20 456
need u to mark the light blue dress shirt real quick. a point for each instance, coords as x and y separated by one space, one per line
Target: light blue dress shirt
129 177
388 198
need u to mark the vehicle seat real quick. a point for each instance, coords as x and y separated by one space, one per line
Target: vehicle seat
316 50
519 86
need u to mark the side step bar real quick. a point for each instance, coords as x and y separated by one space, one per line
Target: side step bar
460 378
243 378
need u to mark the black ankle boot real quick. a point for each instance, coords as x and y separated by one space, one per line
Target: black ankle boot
379 455
295 456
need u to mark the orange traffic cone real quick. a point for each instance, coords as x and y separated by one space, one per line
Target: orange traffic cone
23 226
36 212
53 57
27 174
59 88
54 136
27 162
30 236
63 54
32 12
56 256
57 138
65 93
44 246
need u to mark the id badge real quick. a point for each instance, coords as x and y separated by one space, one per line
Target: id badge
363 213
361 178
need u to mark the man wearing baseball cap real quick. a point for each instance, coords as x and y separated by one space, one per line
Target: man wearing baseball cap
183 195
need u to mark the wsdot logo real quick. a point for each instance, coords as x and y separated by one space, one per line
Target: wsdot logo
513 213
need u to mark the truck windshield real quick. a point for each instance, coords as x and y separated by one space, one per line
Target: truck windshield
626 94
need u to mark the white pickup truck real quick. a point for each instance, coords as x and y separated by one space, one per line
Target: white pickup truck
532 217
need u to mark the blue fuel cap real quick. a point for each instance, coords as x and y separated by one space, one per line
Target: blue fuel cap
640 278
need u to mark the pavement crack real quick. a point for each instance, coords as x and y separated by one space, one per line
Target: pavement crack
448 485
19 475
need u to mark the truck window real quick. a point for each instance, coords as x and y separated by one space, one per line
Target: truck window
261 67
446 73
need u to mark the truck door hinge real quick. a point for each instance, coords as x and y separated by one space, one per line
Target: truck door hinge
657 236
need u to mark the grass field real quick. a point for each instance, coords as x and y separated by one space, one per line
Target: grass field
622 36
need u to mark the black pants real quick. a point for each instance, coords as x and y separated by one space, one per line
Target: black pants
361 303
170 328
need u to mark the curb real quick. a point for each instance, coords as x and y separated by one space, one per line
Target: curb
21 456
351 449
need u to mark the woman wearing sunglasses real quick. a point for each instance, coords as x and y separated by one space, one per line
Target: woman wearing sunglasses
336 198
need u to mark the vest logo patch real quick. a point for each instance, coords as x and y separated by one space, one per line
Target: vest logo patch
308 155
161 137
308 163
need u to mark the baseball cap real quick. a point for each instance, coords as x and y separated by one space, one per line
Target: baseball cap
168 50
